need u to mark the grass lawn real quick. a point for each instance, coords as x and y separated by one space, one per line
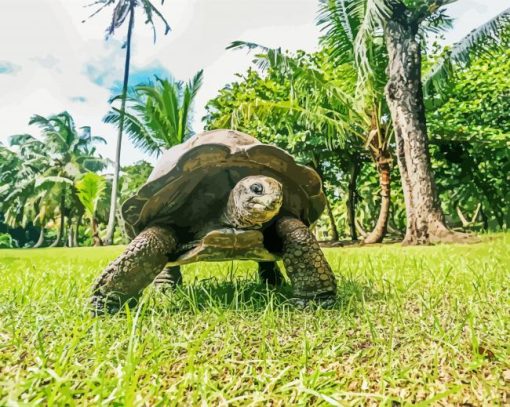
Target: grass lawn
423 325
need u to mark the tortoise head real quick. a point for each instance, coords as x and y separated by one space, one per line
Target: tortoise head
253 201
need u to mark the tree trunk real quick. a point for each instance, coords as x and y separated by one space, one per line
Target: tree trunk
351 199
379 231
334 230
40 241
329 212
425 219
60 232
95 233
115 185
70 233
77 231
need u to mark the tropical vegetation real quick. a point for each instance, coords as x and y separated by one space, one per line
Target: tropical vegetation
332 109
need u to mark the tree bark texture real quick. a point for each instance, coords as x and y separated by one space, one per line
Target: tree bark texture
329 211
95 233
383 168
61 229
334 230
351 199
425 219
115 184
40 241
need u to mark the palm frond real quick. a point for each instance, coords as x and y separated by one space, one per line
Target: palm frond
489 37
372 14
339 26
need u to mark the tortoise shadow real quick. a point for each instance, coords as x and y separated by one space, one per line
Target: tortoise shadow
252 295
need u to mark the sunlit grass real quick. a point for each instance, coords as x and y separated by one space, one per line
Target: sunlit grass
411 325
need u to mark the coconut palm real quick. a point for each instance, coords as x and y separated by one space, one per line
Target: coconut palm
158 115
329 100
122 10
71 154
21 199
402 25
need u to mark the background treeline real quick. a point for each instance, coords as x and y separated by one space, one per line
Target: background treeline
334 110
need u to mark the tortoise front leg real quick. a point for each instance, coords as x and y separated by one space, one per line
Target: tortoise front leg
307 268
125 278
269 273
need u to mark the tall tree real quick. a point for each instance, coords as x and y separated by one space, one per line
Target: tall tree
158 115
122 10
403 23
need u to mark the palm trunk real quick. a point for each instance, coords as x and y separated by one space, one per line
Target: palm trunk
351 199
381 226
334 230
40 241
95 233
113 201
70 234
60 232
425 219
77 231
329 212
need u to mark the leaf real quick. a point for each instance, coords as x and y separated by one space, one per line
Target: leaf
90 188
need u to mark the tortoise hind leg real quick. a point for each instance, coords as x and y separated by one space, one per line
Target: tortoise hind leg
306 266
169 278
125 278
269 273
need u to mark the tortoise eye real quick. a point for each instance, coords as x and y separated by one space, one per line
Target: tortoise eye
257 189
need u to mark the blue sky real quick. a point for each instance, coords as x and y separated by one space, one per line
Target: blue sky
50 61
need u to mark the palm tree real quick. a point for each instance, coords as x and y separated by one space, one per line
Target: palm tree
91 188
403 24
158 116
122 9
341 27
71 154
333 102
22 200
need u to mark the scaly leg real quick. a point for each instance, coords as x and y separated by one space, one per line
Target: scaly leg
307 268
125 278
269 273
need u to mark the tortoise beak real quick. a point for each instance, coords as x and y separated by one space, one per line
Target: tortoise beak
273 202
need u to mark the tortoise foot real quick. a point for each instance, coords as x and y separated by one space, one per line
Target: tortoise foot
168 279
110 304
325 302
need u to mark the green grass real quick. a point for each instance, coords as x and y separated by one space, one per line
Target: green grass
413 325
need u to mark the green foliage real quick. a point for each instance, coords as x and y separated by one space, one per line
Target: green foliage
7 242
133 177
471 134
158 115
491 37
91 188
37 177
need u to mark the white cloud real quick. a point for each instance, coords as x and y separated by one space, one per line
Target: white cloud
58 63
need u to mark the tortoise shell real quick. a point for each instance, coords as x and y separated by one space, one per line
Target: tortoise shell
218 159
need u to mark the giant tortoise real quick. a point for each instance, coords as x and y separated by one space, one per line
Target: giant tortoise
221 195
